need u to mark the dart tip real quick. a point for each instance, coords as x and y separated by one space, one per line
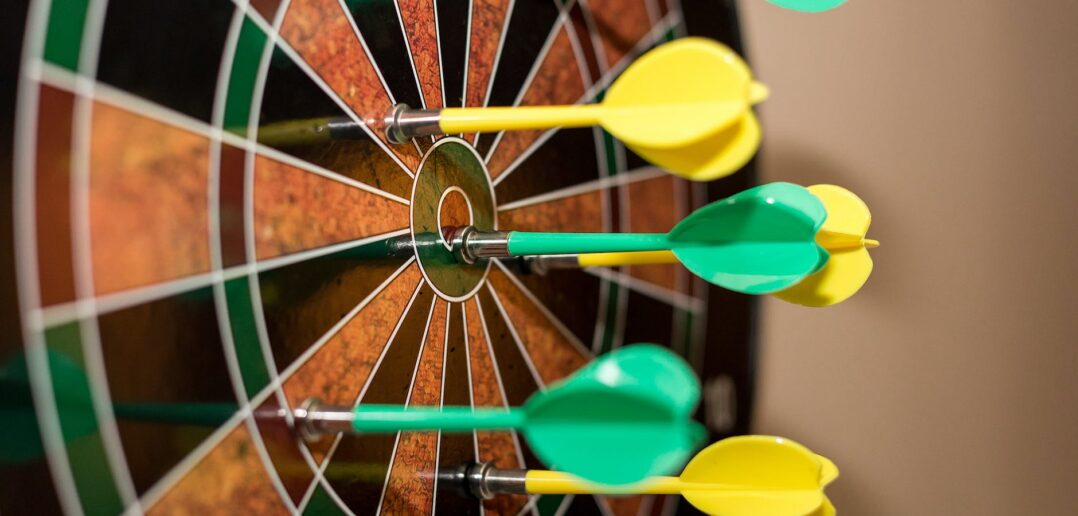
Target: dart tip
871 244
758 92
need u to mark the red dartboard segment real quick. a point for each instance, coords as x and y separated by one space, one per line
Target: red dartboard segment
267 8
53 212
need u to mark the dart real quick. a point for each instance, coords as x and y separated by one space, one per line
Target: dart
638 398
758 241
685 106
623 417
842 235
738 476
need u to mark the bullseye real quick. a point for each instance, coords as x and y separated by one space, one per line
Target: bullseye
451 189
454 209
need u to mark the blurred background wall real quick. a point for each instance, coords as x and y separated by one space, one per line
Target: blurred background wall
949 385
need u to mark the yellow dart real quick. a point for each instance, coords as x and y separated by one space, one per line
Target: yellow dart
842 234
739 476
685 106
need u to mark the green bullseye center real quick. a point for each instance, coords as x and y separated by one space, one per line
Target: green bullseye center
451 173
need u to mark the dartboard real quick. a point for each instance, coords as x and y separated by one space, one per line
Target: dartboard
208 218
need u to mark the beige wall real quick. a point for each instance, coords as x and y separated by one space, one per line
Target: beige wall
949 385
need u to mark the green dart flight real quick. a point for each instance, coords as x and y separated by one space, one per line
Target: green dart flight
759 241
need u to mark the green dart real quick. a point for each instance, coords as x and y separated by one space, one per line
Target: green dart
625 416
758 241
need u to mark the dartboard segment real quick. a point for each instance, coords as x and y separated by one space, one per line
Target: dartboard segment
354 350
230 475
421 27
655 206
267 8
499 448
53 212
583 39
305 300
513 366
558 80
148 200
298 118
149 49
552 351
532 26
488 21
186 337
572 296
453 40
382 30
620 26
455 449
296 210
323 34
359 465
414 467
568 158
577 213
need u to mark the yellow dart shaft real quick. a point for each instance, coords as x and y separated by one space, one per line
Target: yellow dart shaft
556 482
617 259
831 242
491 119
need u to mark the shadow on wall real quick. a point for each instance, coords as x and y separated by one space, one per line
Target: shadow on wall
806 165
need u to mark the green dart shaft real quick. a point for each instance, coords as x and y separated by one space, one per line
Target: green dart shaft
198 414
391 418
